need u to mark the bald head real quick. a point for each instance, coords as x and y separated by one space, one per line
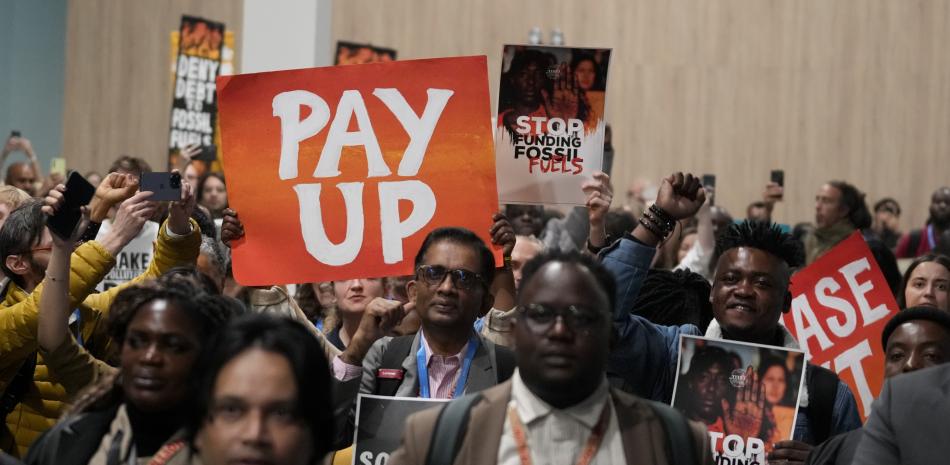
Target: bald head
21 175
940 208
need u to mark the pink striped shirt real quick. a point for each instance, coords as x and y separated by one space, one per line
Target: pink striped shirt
443 371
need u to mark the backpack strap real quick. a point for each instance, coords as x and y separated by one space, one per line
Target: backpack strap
822 389
18 386
450 429
505 359
679 443
390 373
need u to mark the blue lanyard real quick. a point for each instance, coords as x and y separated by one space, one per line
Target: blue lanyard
423 369
930 238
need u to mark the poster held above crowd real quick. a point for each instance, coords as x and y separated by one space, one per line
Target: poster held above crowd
351 53
550 126
194 100
746 394
840 305
340 172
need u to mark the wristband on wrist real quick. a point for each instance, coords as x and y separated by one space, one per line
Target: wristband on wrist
507 262
653 228
663 217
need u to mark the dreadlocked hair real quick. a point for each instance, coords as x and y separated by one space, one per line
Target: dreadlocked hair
674 298
764 236
206 311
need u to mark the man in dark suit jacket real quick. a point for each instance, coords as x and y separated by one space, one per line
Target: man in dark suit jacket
558 403
908 422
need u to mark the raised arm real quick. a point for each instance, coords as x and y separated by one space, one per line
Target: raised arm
679 197
54 304
644 359
599 195
23 144
503 284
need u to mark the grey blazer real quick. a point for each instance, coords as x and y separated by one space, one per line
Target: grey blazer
481 376
909 421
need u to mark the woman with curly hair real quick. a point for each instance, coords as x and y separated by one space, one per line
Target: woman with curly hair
128 413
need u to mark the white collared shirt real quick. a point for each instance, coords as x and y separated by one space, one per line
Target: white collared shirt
555 436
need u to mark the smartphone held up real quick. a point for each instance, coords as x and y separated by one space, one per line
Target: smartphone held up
162 185
78 194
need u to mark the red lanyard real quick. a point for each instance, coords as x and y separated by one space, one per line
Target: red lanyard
590 449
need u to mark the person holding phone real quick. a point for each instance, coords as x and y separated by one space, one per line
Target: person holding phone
22 175
25 248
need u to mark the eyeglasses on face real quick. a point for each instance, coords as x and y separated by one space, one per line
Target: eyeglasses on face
433 275
540 318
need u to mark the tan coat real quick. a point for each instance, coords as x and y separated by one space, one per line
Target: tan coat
644 440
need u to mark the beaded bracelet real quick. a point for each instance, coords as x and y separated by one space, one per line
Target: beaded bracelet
652 227
665 227
664 218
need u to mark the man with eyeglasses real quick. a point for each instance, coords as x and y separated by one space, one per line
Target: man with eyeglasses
446 358
558 407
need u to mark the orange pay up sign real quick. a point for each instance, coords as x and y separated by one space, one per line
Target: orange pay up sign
340 172
840 305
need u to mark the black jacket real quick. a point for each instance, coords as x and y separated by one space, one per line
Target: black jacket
72 441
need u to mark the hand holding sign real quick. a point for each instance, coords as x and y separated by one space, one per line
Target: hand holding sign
599 195
790 452
745 417
502 233
231 227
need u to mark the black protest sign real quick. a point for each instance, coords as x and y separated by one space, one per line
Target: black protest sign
194 101
379 424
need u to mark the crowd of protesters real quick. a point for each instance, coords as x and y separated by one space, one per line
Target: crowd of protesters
572 340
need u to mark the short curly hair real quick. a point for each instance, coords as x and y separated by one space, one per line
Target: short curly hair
207 311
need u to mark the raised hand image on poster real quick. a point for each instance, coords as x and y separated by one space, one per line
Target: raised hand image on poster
340 172
745 394
550 127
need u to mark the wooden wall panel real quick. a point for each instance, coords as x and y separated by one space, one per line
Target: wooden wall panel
118 79
850 89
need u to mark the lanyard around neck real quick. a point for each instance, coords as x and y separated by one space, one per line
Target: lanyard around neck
461 380
590 449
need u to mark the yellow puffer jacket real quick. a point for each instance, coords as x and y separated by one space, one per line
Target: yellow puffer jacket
46 399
